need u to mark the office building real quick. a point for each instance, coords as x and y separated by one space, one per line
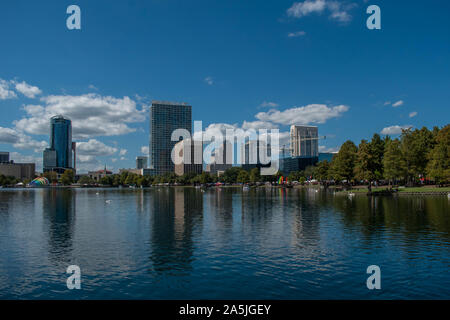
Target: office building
188 160
141 162
255 155
58 157
165 118
288 165
21 171
222 159
4 157
304 141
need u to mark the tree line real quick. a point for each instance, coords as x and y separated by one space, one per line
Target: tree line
417 155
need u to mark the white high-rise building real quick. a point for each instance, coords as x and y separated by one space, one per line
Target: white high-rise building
304 141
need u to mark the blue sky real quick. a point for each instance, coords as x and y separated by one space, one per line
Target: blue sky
268 63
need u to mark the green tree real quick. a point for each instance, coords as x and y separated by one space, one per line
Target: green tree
131 179
363 162
106 180
343 163
438 166
376 148
394 166
67 177
230 175
255 175
85 180
323 170
51 176
416 146
243 177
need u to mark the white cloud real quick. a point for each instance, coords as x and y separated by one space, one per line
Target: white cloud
313 113
91 115
412 114
145 150
387 103
5 93
268 104
87 163
21 141
296 34
394 129
338 11
328 150
209 81
92 87
301 9
94 147
20 158
398 103
123 152
27 90
256 125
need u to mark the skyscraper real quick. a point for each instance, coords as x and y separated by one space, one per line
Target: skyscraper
58 157
4 157
166 117
141 162
304 141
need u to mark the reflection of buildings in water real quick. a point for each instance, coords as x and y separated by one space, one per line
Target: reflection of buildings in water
140 206
175 212
59 215
221 207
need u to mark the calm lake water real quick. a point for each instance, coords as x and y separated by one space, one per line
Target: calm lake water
181 243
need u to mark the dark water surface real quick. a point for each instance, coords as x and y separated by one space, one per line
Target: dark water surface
181 243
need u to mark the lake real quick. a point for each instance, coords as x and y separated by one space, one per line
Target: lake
225 243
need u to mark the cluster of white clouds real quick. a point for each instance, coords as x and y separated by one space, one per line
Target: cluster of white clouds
20 140
339 11
309 114
91 114
397 129
7 89
273 119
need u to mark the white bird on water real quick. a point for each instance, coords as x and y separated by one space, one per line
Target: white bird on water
108 201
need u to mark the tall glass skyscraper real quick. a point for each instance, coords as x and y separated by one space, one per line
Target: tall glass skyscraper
59 156
165 117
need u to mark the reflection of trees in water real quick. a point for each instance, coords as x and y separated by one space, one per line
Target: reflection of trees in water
410 215
59 214
175 214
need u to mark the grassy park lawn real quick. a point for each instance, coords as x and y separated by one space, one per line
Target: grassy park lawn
425 189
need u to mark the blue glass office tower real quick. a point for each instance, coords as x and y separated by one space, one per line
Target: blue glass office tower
59 156
165 117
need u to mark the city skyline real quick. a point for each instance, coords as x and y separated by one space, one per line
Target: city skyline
239 81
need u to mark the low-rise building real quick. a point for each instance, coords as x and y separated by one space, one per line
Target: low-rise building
22 171
98 175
